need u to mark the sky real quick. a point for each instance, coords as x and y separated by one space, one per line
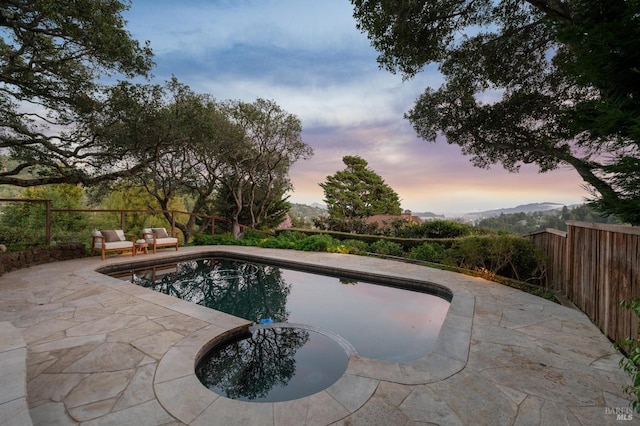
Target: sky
309 57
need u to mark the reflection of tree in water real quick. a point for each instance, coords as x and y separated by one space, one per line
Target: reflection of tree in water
250 367
242 289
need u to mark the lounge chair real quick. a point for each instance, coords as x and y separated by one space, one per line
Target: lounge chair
111 240
159 237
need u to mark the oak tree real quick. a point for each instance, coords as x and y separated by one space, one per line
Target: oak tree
183 135
52 57
546 82
257 164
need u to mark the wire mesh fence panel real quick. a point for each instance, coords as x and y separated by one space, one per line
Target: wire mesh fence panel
23 224
26 223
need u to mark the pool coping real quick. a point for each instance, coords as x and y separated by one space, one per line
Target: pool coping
180 392
13 375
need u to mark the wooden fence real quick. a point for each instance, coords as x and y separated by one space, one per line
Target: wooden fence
596 266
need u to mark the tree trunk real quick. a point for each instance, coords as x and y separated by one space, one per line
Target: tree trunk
237 195
236 228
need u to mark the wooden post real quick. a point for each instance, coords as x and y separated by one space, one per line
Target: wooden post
47 222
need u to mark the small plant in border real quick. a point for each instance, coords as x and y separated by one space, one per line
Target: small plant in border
630 364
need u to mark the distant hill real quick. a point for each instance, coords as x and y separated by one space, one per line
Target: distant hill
525 222
524 208
307 213
310 212
427 215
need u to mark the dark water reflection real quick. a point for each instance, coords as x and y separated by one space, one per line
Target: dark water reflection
281 363
273 364
246 290
380 322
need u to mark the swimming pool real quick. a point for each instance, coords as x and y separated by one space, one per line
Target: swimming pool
377 321
381 322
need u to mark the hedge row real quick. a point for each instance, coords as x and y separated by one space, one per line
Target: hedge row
505 255
406 243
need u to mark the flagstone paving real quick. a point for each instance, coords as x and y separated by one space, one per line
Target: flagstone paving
79 347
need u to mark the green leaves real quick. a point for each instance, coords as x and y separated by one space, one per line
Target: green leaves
410 34
52 54
257 164
544 82
630 364
357 192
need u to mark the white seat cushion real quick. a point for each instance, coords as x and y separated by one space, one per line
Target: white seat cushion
114 245
168 240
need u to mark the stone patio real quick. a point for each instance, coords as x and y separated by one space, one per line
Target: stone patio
100 351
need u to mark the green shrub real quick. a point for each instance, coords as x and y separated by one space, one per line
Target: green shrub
63 237
507 255
251 234
629 365
280 242
406 243
445 229
429 253
284 240
387 248
316 243
15 238
436 229
217 239
353 247
493 255
294 236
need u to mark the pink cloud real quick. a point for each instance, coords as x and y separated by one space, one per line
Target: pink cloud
428 176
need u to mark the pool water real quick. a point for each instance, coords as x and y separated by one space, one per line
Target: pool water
307 325
273 364
381 322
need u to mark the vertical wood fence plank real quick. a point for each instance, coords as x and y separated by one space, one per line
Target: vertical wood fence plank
634 253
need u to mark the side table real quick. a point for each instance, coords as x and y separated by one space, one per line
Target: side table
140 247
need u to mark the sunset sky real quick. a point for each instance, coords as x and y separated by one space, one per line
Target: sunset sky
308 57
